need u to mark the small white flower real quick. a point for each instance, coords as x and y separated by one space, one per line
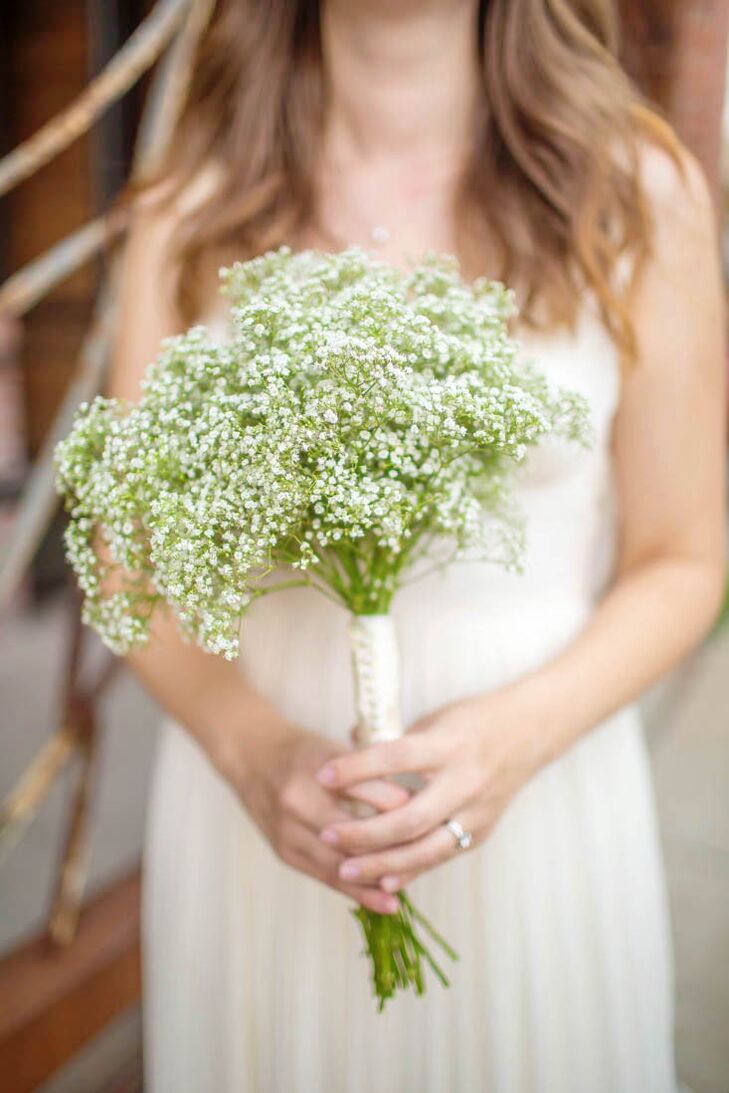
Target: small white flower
357 409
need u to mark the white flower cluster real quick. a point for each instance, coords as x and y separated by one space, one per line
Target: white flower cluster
360 419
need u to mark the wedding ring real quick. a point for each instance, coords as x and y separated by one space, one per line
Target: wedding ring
463 838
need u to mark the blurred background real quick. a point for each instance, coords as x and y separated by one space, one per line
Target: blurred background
96 84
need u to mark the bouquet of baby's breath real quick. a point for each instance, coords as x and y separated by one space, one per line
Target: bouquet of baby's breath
361 424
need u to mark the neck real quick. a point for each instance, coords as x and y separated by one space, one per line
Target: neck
402 78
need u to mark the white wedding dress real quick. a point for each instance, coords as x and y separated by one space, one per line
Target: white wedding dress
254 979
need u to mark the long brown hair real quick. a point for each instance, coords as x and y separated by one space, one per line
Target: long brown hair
552 192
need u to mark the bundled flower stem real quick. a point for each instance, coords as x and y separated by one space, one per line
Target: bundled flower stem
361 425
392 942
396 951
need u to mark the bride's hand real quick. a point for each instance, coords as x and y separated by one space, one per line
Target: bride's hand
277 784
474 754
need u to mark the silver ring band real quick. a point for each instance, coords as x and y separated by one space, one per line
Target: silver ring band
463 838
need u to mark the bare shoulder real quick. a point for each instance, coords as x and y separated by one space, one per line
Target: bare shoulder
678 194
147 300
156 214
165 203
678 306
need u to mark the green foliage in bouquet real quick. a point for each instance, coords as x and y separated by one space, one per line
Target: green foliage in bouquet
360 419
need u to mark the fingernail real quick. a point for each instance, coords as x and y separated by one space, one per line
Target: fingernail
349 871
390 884
327 775
329 836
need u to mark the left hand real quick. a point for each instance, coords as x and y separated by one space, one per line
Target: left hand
474 754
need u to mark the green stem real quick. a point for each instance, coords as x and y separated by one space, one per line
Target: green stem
395 951
278 586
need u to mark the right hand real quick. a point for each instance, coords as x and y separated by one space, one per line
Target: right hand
275 779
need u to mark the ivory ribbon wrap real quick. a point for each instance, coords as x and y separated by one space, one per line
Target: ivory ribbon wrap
376 678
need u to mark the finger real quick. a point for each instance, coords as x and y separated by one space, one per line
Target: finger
308 848
395 882
318 860
402 861
309 856
379 793
374 899
315 807
412 752
426 810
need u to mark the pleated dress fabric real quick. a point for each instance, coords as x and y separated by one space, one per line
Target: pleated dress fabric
253 973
